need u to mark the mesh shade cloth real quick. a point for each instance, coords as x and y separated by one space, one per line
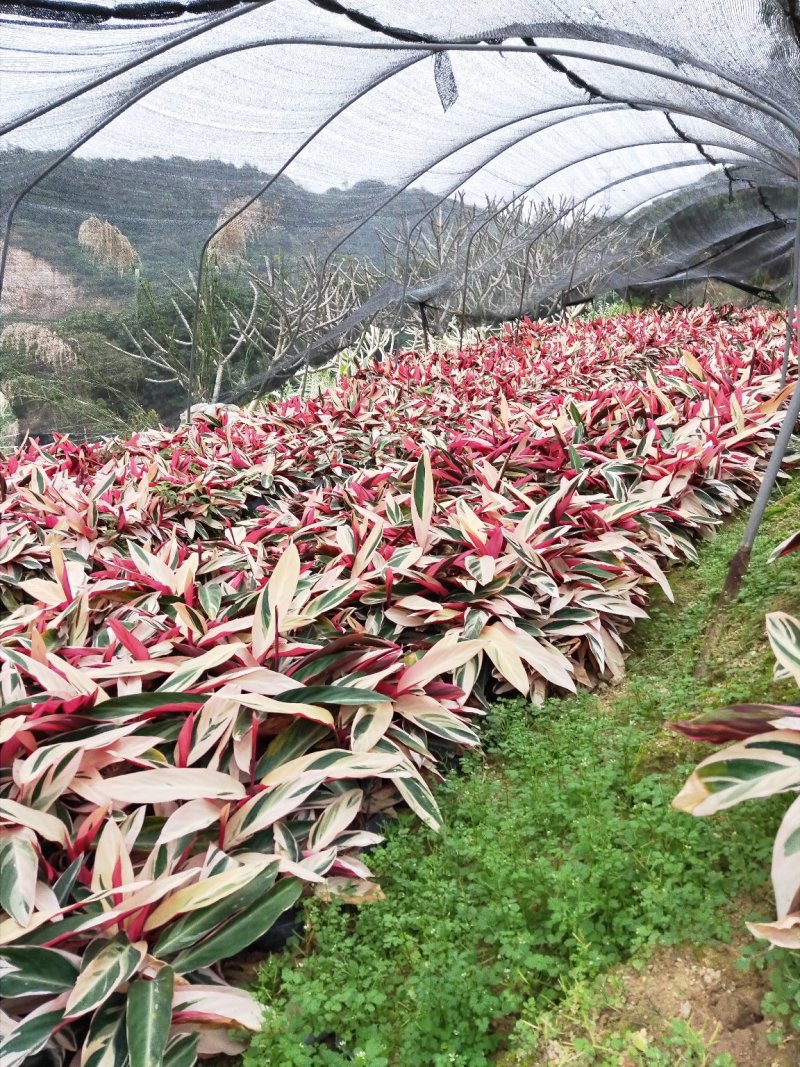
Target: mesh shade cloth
359 130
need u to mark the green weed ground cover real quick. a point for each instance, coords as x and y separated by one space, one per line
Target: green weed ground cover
560 856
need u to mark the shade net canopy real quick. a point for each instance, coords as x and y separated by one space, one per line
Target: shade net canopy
286 175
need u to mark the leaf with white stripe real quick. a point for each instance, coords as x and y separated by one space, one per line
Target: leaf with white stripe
783 632
420 799
169 784
331 599
32 1033
264 809
368 548
275 600
241 929
204 893
190 672
422 499
336 763
19 864
444 657
758 767
106 1044
336 818
103 972
429 715
369 725
31 971
786 862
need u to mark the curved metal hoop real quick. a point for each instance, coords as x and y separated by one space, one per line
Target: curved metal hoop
753 100
761 104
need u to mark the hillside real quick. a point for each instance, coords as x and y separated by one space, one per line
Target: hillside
167 207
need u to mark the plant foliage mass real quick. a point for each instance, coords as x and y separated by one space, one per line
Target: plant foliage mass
228 646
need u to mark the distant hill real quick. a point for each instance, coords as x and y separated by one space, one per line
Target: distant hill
167 207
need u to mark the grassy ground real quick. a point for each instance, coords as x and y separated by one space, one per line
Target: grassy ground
561 862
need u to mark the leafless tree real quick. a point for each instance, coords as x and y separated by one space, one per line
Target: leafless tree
254 346
483 262
475 264
225 332
306 299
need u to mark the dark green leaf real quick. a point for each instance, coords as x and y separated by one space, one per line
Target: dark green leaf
36 971
329 694
181 1051
149 1016
290 743
31 1035
193 926
106 1044
243 929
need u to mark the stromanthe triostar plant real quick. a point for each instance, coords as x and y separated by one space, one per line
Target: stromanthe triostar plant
226 647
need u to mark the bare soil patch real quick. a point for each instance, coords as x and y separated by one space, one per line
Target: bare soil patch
701 987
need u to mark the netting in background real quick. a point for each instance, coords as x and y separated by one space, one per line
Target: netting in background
199 201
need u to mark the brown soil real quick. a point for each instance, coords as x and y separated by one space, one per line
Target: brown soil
719 1001
242 970
702 987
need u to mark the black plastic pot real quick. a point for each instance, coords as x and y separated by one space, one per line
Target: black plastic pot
289 925
46 1058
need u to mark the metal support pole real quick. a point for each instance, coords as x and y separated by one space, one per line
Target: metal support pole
627 299
257 383
741 559
792 312
393 196
256 196
761 104
761 293
424 320
794 297
517 196
579 252
475 170
529 249
748 96
140 60
766 107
